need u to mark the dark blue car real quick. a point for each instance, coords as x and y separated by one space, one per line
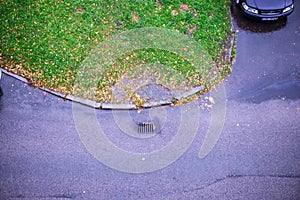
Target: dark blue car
266 9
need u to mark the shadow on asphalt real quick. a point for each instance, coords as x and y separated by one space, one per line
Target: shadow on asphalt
253 25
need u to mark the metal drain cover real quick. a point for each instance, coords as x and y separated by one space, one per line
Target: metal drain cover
146 127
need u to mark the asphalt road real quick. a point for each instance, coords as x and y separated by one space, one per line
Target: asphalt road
43 156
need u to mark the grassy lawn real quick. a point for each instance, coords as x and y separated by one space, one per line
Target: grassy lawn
46 41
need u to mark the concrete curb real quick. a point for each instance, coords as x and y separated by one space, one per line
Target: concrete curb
53 93
108 106
190 93
83 101
105 106
24 80
232 38
156 104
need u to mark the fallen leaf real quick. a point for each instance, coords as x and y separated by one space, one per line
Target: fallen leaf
174 12
135 17
184 7
190 31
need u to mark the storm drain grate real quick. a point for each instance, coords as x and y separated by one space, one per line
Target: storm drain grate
146 127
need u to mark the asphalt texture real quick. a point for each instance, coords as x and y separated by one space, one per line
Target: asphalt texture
42 155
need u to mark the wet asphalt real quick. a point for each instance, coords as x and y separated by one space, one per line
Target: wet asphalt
256 157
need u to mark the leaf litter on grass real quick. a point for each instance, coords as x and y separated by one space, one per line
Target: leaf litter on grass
47 41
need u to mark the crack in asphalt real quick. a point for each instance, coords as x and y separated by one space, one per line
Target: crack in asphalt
235 176
205 186
57 196
64 196
265 176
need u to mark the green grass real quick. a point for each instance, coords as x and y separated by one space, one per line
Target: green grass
46 41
